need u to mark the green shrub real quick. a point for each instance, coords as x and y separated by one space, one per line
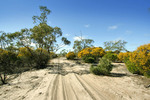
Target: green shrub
89 59
147 74
8 64
139 60
41 58
70 55
103 68
111 56
132 68
34 58
26 55
96 70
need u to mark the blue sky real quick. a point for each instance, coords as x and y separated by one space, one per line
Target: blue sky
100 20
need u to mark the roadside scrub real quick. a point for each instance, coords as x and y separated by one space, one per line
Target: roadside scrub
103 68
91 54
138 61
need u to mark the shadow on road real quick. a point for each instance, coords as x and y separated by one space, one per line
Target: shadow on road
59 68
118 75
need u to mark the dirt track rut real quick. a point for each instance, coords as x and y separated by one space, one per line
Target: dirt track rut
72 81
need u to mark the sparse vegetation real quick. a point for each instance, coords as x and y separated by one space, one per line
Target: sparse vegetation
70 55
31 48
93 53
111 56
139 60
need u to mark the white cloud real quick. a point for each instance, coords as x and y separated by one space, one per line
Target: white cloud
78 38
128 32
67 35
87 25
112 27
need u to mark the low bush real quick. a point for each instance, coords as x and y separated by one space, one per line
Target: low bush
41 58
88 59
34 58
147 73
91 54
132 68
93 51
139 61
111 56
124 56
26 55
8 64
70 55
103 68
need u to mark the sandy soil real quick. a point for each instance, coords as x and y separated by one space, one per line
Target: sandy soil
69 80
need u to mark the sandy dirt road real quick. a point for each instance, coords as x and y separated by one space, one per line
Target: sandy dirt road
68 80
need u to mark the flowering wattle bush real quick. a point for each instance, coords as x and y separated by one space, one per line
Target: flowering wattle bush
70 55
123 56
91 53
24 52
141 60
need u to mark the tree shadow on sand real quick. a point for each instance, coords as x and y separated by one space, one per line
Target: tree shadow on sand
118 75
58 68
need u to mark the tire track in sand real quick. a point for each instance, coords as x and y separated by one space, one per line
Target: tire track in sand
49 89
93 92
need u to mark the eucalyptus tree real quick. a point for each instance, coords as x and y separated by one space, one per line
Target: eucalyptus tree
44 35
115 45
81 44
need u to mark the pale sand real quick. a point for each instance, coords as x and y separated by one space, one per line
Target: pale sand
75 83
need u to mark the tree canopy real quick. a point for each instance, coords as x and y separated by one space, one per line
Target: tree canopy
82 44
115 45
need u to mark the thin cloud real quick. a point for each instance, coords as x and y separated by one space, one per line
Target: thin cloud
67 35
128 32
87 25
78 38
112 27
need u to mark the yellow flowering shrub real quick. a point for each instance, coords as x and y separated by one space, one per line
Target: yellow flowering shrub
91 51
141 59
123 56
70 55
24 52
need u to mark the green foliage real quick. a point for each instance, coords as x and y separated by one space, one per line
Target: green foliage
104 67
94 52
131 67
140 60
147 73
115 46
70 55
43 17
41 58
82 44
63 53
17 49
111 56
88 59
8 64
